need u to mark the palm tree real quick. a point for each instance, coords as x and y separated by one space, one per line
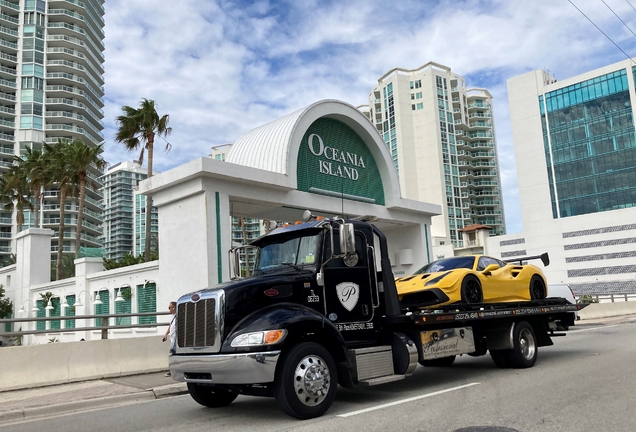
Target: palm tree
59 171
137 131
35 165
15 193
80 157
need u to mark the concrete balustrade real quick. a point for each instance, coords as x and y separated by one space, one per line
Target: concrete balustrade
604 310
56 363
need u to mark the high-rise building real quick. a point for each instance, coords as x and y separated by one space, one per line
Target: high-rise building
122 211
441 137
575 148
51 89
140 225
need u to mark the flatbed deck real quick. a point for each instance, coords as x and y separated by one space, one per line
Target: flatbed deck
461 314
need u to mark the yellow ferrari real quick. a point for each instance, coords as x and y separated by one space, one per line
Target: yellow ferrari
472 279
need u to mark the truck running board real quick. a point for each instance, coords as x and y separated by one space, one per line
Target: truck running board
381 380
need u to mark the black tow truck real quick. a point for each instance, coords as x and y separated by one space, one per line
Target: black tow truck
321 309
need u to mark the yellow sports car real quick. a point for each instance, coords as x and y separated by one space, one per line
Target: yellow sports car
472 279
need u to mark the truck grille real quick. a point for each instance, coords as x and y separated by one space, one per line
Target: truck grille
196 323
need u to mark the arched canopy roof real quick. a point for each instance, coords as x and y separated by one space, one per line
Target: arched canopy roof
275 146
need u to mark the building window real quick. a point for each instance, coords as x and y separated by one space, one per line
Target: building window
104 308
147 302
124 307
33 69
37 5
70 311
30 122
40 325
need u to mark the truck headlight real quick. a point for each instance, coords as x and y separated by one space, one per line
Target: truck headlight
267 337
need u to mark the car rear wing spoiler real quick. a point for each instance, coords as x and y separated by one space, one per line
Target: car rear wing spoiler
544 258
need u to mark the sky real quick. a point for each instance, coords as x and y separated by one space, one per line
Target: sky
222 68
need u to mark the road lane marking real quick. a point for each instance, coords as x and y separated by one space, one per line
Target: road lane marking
593 328
411 399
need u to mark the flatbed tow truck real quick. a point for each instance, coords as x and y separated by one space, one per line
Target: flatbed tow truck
322 310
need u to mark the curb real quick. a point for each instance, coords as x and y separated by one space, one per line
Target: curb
170 390
88 404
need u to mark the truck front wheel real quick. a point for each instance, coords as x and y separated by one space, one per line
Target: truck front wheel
306 381
211 396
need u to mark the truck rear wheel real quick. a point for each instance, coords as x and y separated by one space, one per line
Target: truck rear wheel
500 358
524 351
439 362
211 396
306 381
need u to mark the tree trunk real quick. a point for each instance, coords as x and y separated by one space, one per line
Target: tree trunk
80 216
19 217
60 241
36 205
151 142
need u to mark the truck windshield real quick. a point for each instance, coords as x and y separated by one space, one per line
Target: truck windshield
299 251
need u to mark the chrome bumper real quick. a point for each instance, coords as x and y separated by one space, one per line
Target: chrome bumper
249 368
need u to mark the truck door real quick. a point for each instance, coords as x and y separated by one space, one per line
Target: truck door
349 291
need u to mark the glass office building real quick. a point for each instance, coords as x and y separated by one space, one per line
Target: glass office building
590 148
575 148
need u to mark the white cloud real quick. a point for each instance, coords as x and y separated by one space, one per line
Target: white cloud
221 68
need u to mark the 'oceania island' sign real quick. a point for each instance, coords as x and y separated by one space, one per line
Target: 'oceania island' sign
333 160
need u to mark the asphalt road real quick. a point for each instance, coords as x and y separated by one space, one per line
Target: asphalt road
585 382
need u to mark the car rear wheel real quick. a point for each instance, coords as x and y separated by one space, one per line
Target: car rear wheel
471 290
537 288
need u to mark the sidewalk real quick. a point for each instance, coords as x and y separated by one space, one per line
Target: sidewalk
32 403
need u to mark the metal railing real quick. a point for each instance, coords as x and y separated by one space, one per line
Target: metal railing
604 298
104 327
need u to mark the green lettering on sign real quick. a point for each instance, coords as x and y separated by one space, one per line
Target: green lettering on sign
333 160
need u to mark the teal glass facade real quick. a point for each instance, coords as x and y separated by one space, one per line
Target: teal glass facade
590 145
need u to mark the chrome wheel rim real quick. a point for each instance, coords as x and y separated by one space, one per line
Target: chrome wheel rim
312 380
526 344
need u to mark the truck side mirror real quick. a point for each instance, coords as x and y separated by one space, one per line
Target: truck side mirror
348 244
235 267
347 239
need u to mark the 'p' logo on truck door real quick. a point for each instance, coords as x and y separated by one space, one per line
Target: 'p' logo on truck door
348 294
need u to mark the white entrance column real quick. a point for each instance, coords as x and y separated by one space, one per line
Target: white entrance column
33 253
194 237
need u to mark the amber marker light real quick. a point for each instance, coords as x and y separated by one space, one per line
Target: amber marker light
273 336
